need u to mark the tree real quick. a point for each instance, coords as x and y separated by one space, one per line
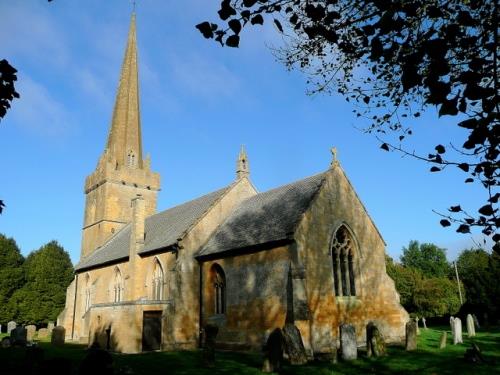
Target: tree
436 296
394 59
48 273
426 257
406 280
11 276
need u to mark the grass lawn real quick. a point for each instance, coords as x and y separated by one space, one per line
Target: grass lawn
426 360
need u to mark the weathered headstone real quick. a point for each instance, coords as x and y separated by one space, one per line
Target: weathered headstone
416 321
43 333
476 321
457 334
442 340
293 345
18 336
348 346
423 322
30 332
58 334
10 326
375 344
210 332
6 342
471 331
50 326
411 335
273 352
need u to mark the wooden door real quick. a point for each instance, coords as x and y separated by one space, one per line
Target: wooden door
151 330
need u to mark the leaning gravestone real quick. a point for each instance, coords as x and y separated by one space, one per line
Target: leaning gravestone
457 334
442 340
273 352
210 331
10 326
375 344
423 322
411 335
293 344
348 347
58 334
43 333
30 332
18 336
471 331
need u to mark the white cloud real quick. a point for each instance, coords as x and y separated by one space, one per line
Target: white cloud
39 111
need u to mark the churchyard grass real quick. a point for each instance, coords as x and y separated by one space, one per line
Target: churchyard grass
427 359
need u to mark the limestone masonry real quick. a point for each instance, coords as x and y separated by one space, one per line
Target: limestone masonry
305 253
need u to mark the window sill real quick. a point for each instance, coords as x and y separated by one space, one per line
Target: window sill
348 300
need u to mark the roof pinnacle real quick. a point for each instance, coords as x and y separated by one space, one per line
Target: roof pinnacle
242 166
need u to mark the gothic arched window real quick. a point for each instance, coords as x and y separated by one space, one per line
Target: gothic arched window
158 281
344 277
118 286
219 285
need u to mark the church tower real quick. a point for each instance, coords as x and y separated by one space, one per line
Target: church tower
121 173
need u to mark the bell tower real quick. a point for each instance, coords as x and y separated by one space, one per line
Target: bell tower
121 173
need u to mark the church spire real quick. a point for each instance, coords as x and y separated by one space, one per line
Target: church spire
124 146
242 167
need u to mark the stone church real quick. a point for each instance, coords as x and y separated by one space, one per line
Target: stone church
306 252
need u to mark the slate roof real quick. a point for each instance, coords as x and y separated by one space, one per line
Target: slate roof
265 217
162 230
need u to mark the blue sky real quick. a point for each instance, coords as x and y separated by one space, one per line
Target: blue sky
199 103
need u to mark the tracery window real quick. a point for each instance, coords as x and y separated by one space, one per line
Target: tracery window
118 286
344 277
219 285
158 281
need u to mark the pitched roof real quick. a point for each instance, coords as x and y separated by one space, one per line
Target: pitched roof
162 230
265 217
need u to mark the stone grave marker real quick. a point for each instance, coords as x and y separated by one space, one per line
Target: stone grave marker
416 321
6 342
30 332
457 334
471 331
10 326
58 334
348 346
43 333
273 352
210 332
442 340
18 336
293 345
411 335
423 322
375 344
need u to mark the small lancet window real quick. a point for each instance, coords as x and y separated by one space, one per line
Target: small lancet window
131 160
344 277
219 285
118 286
158 281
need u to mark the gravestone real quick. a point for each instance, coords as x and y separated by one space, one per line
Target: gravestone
411 335
30 332
50 326
457 334
273 352
348 347
471 331
375 344
18 336
210 332
58 334
293 345
10 326
423 322
43 333
6 342
416 321
442 340
476 321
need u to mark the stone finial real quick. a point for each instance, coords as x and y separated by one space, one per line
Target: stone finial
242 165
335 161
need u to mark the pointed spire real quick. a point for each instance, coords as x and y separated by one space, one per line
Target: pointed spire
124 140
242 167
